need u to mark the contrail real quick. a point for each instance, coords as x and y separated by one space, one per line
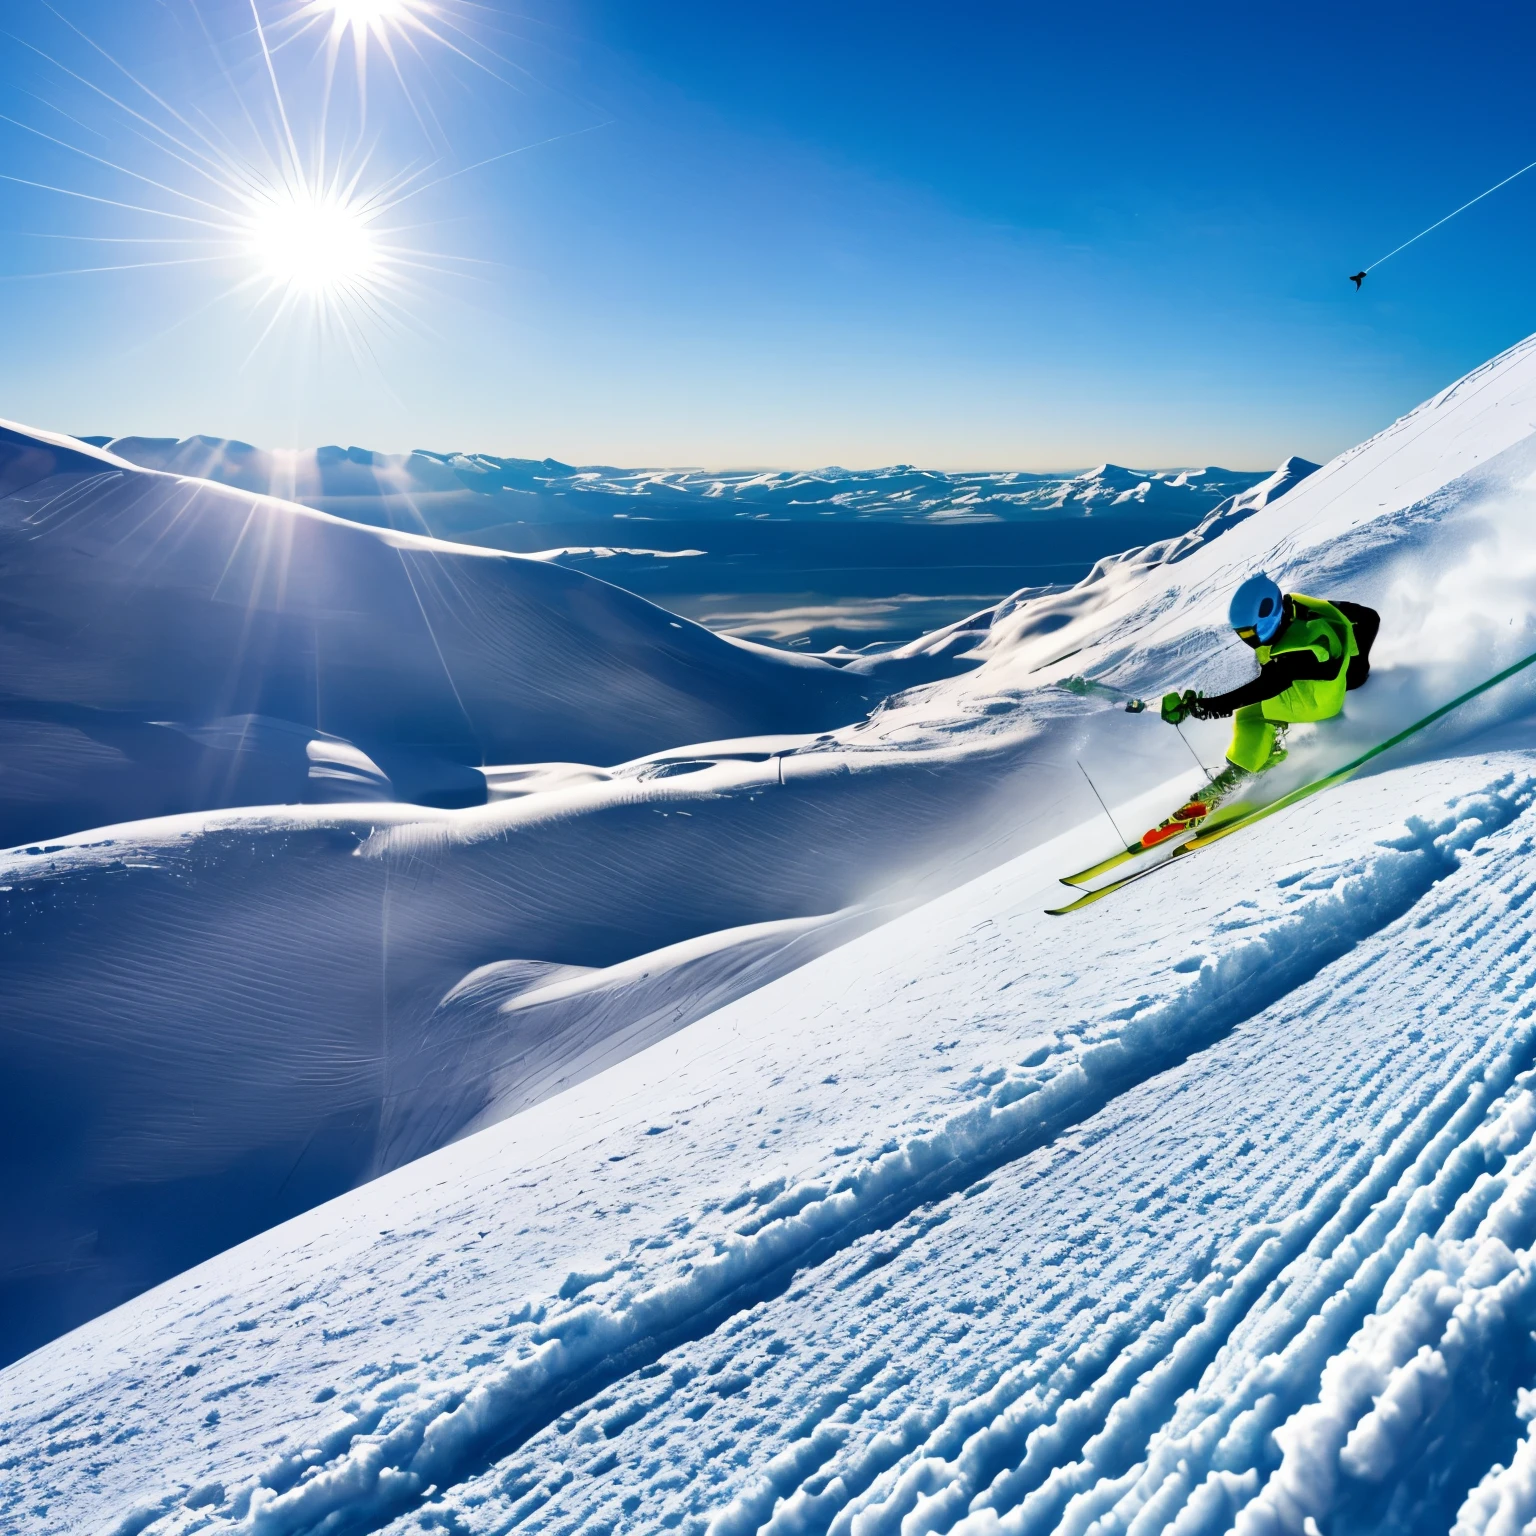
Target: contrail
1446 220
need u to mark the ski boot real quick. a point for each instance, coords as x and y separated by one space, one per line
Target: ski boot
1194 811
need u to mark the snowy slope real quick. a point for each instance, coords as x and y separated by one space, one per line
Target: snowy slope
980 1222
169 645
316 1019
227 1018
1210 1207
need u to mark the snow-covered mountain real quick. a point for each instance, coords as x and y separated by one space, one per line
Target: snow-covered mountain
814 559
1209 1208
465 487
171 645
1050 610
177 647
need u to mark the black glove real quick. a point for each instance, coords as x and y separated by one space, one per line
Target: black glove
1178 707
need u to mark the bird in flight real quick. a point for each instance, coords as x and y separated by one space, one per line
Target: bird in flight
1357 278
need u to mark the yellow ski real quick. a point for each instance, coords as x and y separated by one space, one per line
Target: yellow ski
1245 818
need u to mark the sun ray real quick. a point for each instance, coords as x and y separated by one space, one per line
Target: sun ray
220 161
470 59
130 266
52 107
110 202
229 81
128 75
282 185
110 165
277 94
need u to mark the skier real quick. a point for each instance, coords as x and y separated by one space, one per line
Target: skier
1310 654
1357 278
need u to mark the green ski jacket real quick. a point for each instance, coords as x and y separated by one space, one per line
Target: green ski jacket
1318 628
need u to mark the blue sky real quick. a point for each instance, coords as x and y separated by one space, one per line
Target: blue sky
964 235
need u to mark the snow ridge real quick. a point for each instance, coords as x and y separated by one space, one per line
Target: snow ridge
349 479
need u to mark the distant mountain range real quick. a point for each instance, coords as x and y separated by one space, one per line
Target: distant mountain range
457 494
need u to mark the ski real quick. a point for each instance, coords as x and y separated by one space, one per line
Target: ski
1203 839
1098 893
1103 867
1141 846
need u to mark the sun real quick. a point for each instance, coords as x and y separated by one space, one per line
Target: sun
314 245
361 17
300 218
363 12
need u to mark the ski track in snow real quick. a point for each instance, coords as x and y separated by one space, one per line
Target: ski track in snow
1199 1221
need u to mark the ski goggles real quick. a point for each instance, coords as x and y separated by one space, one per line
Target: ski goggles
1249 636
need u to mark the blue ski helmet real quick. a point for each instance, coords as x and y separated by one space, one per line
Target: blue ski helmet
1257 610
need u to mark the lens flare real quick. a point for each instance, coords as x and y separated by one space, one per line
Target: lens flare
362 17
253 183
356 11
395 33
314 246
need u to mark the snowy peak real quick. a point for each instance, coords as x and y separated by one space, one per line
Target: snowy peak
1112 488
346 480
1289 474
1036 612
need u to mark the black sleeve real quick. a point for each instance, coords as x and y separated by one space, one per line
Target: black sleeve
1364 621
1275 676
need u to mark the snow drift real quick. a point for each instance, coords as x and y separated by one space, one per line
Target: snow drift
214 1022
